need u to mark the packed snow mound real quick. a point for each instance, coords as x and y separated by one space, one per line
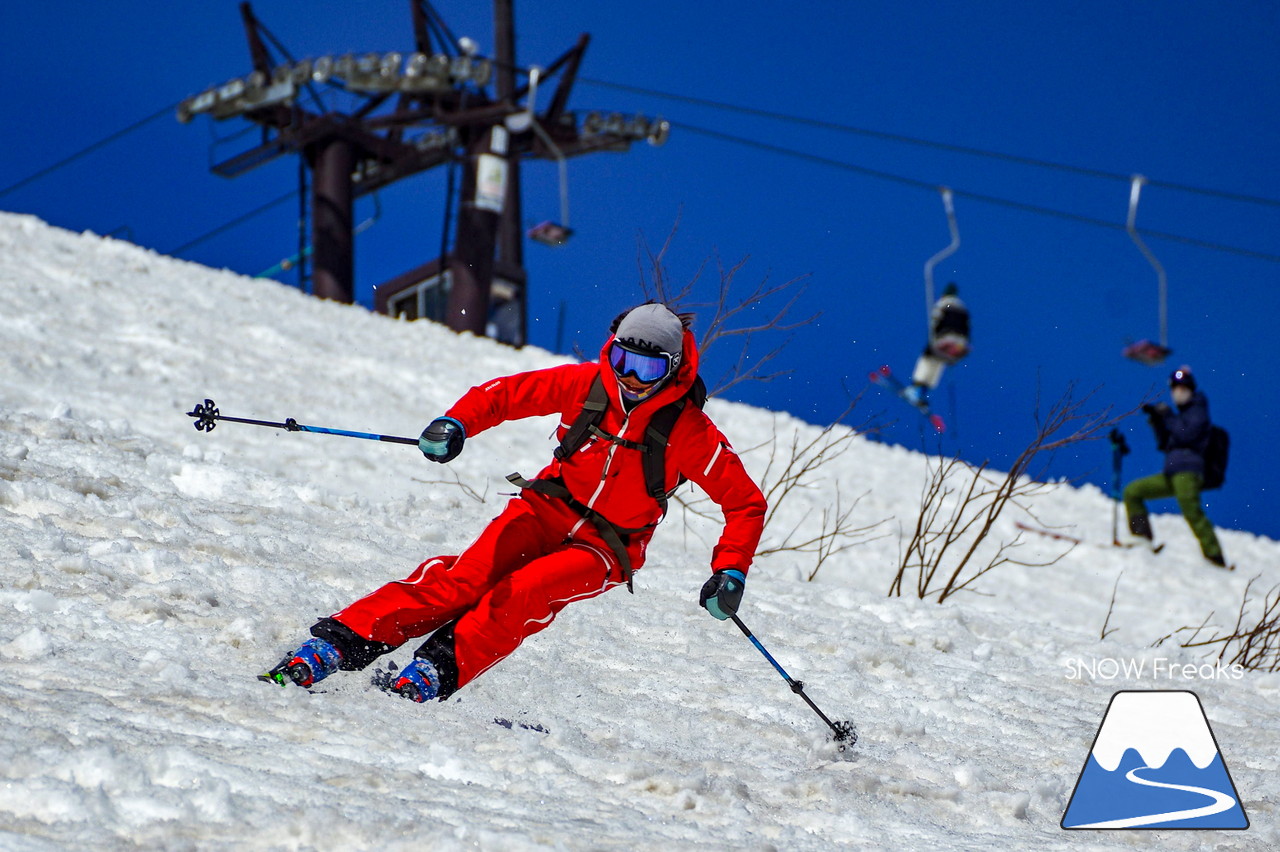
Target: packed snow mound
150 571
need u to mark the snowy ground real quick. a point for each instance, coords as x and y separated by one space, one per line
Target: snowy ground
148 572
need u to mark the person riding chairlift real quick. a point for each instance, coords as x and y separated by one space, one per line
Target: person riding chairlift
948 343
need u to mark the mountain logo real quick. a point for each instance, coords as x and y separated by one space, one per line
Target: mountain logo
1155 764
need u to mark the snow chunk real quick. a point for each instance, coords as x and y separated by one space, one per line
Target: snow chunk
29 646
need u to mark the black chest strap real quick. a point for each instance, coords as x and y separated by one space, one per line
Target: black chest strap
615 536
654 448
653 454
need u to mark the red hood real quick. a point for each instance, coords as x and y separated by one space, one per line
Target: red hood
669 392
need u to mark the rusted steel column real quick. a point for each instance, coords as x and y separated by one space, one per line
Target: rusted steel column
333 257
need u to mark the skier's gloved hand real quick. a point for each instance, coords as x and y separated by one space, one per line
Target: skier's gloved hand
722 592
442 440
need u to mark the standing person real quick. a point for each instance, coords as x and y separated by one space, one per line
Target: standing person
578 529
1182 434
948 343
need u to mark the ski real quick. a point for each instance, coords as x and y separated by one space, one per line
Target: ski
382 679
1133 545
281 675
1057 536
885 378
524 726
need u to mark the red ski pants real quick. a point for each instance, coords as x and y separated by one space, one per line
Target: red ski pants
530 562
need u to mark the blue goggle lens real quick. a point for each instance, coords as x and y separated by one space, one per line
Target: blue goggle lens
646 368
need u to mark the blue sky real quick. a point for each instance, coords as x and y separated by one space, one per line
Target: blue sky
1184 93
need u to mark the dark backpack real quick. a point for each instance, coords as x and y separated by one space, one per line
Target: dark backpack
654 447
1215 458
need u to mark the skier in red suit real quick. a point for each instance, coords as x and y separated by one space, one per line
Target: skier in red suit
576 530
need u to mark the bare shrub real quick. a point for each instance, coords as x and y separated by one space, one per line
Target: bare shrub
457 481
1253 642
1111 609
960 504
765 310
795 466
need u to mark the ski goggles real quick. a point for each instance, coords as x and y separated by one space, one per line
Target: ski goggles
646 368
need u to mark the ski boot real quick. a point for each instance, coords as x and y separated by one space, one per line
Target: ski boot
1140 534
418 681
311 663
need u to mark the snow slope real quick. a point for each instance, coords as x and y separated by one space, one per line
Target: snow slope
148 572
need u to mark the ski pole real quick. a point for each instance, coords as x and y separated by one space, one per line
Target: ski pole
1119 449
844 731
207 416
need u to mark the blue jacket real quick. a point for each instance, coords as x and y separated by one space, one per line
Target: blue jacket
1183 435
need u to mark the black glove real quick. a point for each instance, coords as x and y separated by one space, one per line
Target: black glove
1156 414
442 440
722 592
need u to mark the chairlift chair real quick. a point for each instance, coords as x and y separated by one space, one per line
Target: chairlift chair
1146 351
549 233
950 351
929 264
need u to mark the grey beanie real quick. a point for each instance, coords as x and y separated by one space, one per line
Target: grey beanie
653 327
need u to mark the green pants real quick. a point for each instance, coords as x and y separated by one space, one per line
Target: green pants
1186 488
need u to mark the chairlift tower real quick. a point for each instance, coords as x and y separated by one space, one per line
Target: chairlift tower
415 112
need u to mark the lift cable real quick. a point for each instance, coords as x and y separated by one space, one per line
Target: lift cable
943 146
106 140
975 196
291 194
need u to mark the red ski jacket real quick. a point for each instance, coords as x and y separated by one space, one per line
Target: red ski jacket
609 478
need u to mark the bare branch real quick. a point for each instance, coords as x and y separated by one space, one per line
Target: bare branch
746 319
457 481
791 469
1111 608
1253 642
728 316
954 526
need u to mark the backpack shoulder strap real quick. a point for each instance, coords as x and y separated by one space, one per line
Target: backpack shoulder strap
656 436
654 461
591 414
653 450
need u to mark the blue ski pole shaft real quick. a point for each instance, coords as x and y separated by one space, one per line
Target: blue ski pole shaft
843 730
207 416
393 439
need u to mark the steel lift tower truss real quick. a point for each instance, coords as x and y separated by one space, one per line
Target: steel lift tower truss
441 103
